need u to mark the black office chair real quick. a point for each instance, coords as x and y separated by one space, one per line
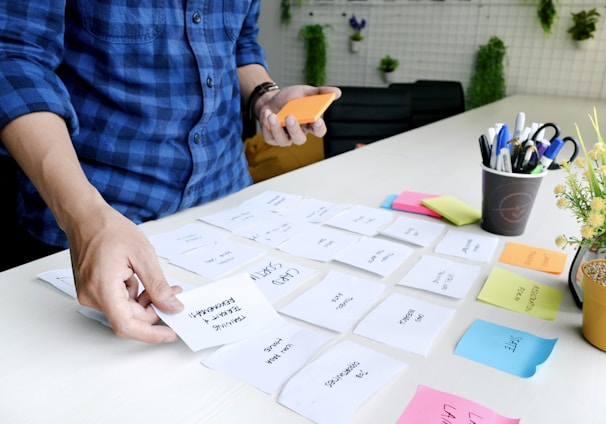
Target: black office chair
364 115
433 100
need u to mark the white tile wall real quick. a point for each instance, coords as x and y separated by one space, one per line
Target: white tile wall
436 39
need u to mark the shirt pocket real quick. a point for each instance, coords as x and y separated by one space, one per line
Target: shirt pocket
234 14
123 21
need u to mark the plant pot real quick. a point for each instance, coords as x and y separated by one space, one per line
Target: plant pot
584 44
575 274
389 77
594 305
355 45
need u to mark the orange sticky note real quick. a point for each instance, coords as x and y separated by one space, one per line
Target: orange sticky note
306 109
534 258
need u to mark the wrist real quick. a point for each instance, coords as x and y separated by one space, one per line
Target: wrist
258 92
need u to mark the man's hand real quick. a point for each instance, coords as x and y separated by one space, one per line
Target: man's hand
110 254
270 104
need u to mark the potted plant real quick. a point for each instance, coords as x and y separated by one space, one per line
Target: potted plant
584 194
315 47
387 65
356 37
583 25
488 81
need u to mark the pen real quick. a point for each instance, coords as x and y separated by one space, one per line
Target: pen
549 155
501 142
505 160
485 150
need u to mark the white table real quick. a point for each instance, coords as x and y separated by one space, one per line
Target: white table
58 366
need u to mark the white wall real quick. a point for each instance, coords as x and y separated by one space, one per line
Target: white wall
438 40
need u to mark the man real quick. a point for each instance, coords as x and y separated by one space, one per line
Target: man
124 111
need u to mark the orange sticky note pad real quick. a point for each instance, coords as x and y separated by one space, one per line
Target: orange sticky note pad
534 258
306 109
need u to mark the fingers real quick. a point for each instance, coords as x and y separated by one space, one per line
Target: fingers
277 135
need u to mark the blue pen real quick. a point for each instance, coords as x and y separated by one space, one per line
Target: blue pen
549 155
502 138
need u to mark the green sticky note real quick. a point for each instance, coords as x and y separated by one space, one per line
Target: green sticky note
453 209
512 291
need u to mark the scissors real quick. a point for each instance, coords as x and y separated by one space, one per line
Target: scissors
556 134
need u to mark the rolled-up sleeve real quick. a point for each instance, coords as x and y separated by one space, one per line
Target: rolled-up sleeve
248 50
31 46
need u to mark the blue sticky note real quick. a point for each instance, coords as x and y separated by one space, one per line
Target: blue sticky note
506 349
389 201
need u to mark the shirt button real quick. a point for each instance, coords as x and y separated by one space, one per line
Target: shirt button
209 82
196 17
197 138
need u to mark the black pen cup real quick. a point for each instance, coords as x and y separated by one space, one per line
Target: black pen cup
507 200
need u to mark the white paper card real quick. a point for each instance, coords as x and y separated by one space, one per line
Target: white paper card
273 201
405 323
62 279
442 276
269 359
320 244
334 386
474 247
336 302
277 277
375 255
234 218
272 231
314 210
413 230
216 259
222 312
183 239
362 220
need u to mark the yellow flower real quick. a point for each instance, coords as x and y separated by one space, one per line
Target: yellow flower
579 162
586 232
597 204
602 169
598 148
560 241
595 219
559 189
562 203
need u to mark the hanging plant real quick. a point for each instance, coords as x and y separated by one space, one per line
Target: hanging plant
583 24
315 47
547 13
488 81
286 12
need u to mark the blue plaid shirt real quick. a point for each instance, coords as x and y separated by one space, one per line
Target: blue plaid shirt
149 91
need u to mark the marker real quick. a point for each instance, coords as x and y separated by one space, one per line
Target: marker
549 156
505 160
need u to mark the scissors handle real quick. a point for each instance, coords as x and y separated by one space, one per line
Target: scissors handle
575 152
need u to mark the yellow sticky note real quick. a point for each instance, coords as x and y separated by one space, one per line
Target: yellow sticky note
454 210
534 258
306 109
512 291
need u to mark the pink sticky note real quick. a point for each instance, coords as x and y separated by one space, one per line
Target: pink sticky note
410 201
433 406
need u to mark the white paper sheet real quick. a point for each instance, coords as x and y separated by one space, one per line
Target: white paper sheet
269 359
237 217
375 255
336 302
276 277
334 386
184 239
442 276
314 210
320 243
405 322
474 247
413 230
362 220
226 311
273 201
272 231
216 259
